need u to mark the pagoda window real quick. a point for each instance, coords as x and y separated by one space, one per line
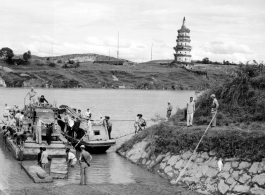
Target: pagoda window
185 59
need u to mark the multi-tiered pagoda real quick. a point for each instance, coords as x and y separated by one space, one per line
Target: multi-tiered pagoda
183 48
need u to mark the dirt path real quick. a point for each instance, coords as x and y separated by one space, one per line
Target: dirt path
103 189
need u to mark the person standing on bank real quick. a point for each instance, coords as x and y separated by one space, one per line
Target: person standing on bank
85 159
190 111
169 110
214 107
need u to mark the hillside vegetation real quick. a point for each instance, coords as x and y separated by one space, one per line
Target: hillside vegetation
46 71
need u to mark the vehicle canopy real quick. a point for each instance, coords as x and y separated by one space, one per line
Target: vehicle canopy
46 115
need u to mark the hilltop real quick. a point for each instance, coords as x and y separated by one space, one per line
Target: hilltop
94 71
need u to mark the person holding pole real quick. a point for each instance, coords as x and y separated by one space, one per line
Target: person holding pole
85 159
214 108
190 112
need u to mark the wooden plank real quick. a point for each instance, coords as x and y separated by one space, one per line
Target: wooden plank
34 170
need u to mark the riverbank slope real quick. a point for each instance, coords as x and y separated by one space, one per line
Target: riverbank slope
238 141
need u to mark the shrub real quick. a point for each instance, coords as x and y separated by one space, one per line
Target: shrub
59 61
52 64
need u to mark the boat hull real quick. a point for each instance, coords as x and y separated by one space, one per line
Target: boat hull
30 150
94 147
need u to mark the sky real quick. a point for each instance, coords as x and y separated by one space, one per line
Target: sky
230 30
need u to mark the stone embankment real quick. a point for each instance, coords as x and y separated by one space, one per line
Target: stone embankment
202 174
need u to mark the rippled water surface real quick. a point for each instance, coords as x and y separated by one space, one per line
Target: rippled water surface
120 105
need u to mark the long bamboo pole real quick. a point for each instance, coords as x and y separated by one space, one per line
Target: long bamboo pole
194 152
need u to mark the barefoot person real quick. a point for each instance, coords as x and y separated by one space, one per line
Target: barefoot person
32 95
214 108
190 111
85 159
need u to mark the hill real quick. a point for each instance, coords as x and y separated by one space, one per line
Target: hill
93 71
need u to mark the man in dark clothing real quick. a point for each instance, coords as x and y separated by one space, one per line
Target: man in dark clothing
49 131
42 100
39 156
60 122
109 126
76 125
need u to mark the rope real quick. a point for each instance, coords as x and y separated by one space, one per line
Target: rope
124 135
194 152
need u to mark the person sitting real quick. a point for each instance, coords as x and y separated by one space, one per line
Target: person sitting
21 139
42 100
141 122
70 158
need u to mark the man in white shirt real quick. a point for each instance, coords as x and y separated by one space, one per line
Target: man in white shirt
87 114
7 108
70 158
17 117
190 111
12 121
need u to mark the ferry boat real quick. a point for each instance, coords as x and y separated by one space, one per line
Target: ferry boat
30 149
97 140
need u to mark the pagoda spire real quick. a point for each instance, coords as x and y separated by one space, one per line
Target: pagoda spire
184 21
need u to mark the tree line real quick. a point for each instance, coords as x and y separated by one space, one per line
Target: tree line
7 54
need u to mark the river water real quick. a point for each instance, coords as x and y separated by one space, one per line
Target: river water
120 105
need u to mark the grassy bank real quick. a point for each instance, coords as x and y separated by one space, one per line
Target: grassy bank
240 119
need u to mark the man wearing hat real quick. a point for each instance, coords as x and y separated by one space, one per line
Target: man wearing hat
84 159
214 108
169 109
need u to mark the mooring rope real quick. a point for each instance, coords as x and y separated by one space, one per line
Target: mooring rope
124 135
194 152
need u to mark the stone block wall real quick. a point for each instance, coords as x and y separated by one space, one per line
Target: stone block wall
202 174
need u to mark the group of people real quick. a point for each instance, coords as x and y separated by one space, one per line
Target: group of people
15 124
190 109
71 160
32 98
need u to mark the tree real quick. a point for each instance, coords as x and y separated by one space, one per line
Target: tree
26 56
7 53
205 60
